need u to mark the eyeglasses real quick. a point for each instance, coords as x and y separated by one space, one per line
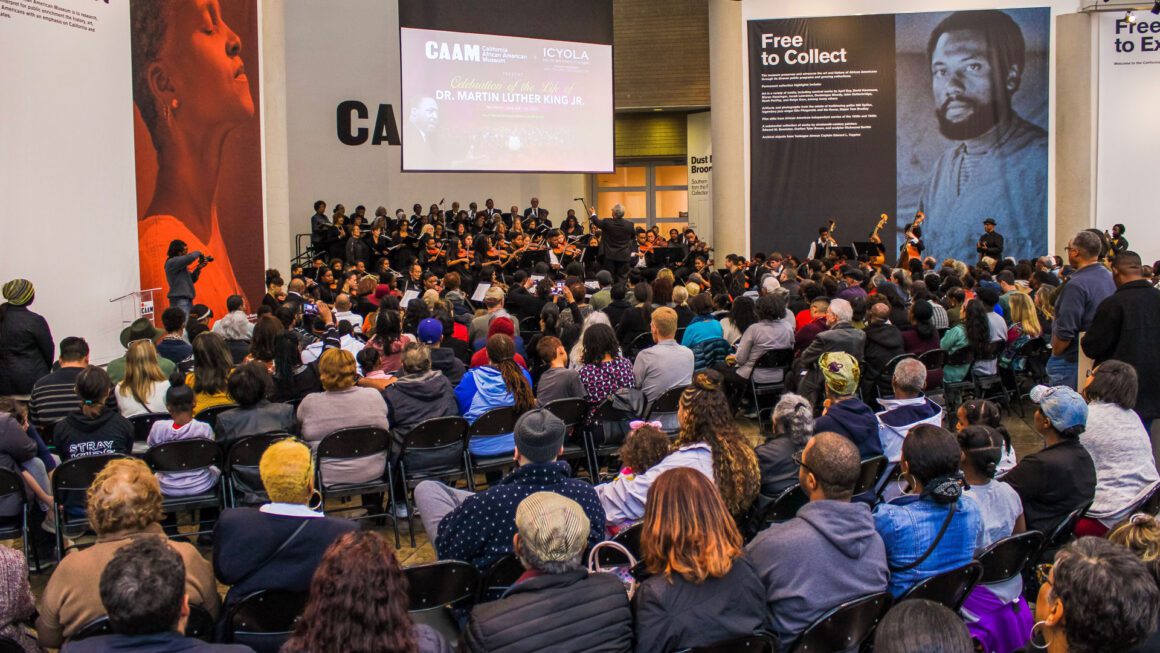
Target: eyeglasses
1043 573
797 459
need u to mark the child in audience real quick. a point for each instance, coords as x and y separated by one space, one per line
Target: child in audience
645 446
179 401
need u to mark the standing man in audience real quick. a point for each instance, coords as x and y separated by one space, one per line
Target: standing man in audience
830 552
478 528
991 242
667 364
1075 306
1124 328
616 242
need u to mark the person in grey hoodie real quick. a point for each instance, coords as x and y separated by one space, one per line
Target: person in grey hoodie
420 394
827 555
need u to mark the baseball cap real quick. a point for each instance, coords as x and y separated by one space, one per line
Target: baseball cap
553 528
1061 405
989 221
539 434
430 331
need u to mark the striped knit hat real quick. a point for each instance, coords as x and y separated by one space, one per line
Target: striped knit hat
19 292
552 527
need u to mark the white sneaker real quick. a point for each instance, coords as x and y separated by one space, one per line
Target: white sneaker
400 511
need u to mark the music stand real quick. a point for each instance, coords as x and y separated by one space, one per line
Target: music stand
846 252
667 256
531 257
869 248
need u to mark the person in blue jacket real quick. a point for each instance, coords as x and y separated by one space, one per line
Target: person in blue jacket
502 382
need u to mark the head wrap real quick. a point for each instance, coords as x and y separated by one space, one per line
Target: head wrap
841 372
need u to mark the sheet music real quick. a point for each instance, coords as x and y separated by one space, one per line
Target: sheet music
408 296
480 291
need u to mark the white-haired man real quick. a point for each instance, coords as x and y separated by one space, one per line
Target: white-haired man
616 242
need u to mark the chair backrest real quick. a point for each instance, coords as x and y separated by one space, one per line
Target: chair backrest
142 424
1007 557
436 443
570 411
629 538
78 473
1062 533
8 645
756 643
247 451
641 342
201 624
264 620
99 626
785 506
11 483
774 358
210 415
844 627
607 412
355 442
888 371
1151 503
497 578
668 402
871 472
949 588
447 583
964 356
184 455
933 359
496 421
1033 347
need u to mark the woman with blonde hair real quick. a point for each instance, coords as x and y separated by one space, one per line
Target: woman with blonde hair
143 390
1024 328
692 548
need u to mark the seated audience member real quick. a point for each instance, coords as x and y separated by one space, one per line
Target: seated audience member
1119 446
793 424
293 379
419 394
249 386
212 364
493 300
603 296
502 382
931 529
995 612
644 446
18 610
143 390
500 325
1096 597
742 315
973 332
443 359
772 330
478 528
923 337
557 604
143 591
921 626
182 426
883 342
909 407
604 370
1024 328
842 336
141 329
981 412
235 328
173 346
665 365
704 326
342 405
708 442
829 553
617 305
558 381
844 413
54 395
278 545
636 321
94 429
124 505
1141 535
680 304
814 322
691 546
358 602
1061 477
389 338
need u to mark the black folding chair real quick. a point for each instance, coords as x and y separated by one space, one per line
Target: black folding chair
596 439
991 386
1005 558
956 391
242 458
498 577
641 342
845 627
433 449
70 478
8 645
756 643
934 360
771 360
264 620
883 383
95 628
188 456
1063 533
142 424
493 423
529 326
784 507
350 444
200 625
1151 503
664 409
629 538
210 415
12 485
949 588
572 412
871 472
1035 353
437 590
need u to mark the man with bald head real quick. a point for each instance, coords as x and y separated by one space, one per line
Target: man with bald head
829 553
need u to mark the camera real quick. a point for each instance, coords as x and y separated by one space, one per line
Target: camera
205 259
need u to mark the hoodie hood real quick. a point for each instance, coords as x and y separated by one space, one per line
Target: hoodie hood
885 337
849 527
86 424
430 386
854 416
490 386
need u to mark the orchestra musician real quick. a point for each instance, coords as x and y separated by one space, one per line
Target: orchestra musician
825 241
877 257
431 256
912 247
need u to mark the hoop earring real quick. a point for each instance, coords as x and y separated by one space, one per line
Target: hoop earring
1037 636
315 495
903 485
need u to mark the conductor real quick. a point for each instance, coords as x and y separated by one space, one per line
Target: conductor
991 242
179 277
617 241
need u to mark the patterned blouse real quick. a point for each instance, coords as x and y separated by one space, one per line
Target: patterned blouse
603 379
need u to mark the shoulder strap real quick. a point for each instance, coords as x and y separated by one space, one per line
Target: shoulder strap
930 549
280 549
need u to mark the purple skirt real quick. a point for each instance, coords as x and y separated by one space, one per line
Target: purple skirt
1000 627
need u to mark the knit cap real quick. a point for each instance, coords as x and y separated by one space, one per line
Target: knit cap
539 434
19 292
552 527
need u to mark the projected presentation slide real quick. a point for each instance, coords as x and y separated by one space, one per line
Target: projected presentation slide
480 102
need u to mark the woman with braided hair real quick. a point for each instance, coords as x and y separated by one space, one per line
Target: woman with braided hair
708 442
502 382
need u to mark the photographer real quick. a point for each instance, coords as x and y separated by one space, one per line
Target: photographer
179 277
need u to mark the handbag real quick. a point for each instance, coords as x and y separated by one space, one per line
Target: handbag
622 572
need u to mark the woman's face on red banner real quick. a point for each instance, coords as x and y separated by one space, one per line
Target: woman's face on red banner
202 56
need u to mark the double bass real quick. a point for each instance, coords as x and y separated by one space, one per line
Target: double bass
878 258
912 247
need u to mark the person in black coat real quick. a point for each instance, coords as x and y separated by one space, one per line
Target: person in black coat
25 340
717 593
636 320
524 302
617 241
556 605
1123 330
883 343
619 304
